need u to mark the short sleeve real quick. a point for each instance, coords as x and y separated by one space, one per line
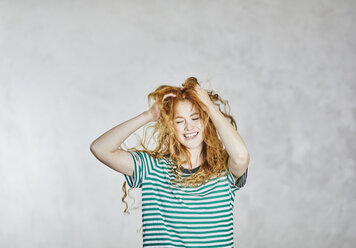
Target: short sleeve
239 183
141 160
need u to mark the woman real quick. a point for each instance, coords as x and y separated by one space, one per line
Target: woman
189 180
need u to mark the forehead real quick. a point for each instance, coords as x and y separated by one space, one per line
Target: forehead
185 108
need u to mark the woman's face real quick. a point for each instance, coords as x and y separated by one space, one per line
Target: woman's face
188 125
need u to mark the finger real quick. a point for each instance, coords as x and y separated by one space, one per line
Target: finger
168 95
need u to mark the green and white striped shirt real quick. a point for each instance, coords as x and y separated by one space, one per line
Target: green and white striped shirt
174 216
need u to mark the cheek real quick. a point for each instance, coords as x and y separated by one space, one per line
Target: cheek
202 133
201 127
180 128
178 131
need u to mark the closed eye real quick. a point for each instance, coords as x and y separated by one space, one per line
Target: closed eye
192 119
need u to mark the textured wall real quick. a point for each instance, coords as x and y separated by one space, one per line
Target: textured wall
71 70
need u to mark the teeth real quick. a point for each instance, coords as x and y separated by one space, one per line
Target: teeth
190 135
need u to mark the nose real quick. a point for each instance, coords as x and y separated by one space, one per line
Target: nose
188 126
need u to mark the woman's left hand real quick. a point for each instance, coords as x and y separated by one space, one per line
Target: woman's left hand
203 96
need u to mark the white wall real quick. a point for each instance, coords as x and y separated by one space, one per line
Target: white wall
71 70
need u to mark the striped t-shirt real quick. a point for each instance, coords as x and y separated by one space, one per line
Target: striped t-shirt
174 216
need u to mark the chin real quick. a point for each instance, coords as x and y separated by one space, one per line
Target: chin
189 146
192 145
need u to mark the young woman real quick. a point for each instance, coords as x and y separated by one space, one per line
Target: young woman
189 180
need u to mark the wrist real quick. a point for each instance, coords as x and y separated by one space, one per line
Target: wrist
147 116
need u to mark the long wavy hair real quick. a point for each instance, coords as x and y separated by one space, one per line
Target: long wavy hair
168 146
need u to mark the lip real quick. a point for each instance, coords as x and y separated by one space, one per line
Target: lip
191 137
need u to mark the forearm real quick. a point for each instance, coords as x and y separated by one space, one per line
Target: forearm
231 139
112 139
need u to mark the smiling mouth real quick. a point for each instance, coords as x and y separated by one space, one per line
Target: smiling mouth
191 136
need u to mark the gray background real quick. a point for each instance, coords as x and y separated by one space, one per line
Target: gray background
71 70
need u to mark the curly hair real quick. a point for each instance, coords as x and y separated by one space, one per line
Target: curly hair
168 146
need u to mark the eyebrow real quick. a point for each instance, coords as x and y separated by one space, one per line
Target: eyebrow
190 115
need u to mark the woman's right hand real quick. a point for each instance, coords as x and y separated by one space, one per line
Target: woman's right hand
154 111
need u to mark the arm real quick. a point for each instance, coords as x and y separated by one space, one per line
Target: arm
106 147
239 157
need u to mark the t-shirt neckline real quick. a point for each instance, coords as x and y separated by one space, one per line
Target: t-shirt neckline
190 171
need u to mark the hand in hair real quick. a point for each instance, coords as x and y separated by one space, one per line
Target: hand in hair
203 96
168 95
154 110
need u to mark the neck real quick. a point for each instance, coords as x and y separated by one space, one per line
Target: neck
196 158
